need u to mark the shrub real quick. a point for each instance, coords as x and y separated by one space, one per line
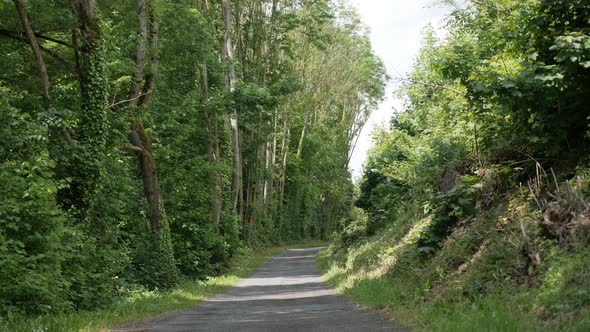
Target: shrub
453 206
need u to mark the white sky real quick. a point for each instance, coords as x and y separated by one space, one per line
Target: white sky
396 27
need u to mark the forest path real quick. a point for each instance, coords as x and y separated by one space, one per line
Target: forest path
285 294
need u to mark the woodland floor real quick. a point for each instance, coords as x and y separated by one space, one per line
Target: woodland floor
286 294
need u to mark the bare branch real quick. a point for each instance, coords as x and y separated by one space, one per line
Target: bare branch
68 66
128 100
9 33
32 40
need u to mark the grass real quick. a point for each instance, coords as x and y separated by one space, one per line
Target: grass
512 309
500 270
407 305
148 304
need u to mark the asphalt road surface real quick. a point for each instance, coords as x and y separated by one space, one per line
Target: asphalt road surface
285 294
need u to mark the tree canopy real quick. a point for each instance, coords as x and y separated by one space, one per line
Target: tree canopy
144 142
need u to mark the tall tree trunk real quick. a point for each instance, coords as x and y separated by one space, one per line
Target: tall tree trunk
147 167
213 135
142 87
92 125
270 161
150 77
212 148
271 147
303 132
230 82
257 175
238 13
213 152
270 39
161 266
355 133
228 52
138 78
285 155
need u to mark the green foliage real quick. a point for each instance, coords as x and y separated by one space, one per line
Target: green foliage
75 226
141 304
564 294
456 205
32 226
354 227
153 261
476 211
31 238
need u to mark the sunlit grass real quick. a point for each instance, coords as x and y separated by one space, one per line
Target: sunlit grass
147 304
398 298
392 295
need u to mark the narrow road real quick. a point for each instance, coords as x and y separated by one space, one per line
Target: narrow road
286 294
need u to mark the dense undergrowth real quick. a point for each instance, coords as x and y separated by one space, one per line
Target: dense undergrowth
497 271
474 209
143 304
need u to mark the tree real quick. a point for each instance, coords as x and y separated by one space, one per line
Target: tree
213 151
230 83
161 266
114 130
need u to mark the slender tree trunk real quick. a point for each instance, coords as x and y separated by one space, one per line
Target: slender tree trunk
355 134
303 132
139 55
213 135
285 155
228 52
230 85
239 12
258 176
271 147
270 39
273 153
270 161
39 61
212 148
150 77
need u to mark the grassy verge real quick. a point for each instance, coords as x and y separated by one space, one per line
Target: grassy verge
148 304
407 306
422 309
